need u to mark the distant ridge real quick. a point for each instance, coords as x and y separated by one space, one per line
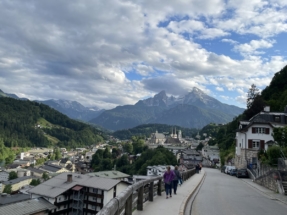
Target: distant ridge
193 110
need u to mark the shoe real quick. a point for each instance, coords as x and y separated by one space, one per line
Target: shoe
167 197
170 196
175 194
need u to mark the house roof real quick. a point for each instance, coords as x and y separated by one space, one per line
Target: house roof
17 180
109 174
264 118
51 167
172 140
58 185
8 199
27 207
35 170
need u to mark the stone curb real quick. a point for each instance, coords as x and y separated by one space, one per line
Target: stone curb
265 193
183 204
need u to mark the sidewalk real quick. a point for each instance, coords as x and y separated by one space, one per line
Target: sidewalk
271 194
174 205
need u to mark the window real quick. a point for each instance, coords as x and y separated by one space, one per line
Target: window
95 190
94 198
255 144
93 207
277 118
260 130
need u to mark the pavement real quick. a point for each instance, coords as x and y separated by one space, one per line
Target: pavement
269 193
176 204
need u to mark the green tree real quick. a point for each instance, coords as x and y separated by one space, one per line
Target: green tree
45 176
128 148
107 153
122 161
199 147
106 164
273 154
252 93
280 136
12 175
57 154
35 182
8 189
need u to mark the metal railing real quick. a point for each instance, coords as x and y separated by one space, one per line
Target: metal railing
135 195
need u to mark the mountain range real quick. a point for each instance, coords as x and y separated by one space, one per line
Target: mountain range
72 109
193 110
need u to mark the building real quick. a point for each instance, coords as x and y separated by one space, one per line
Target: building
157 138
110 174
75 193
4 176
256 134
38 206
157 170
17 183
6 199
20 172
36 172
52 168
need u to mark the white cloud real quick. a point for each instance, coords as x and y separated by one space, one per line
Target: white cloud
219 89
253 47
84 50
229 41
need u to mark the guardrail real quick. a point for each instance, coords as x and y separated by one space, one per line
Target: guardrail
137 194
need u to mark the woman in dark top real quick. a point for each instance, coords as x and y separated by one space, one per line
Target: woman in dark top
175 179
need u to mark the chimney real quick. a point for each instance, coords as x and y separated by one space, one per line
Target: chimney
267 109
69 178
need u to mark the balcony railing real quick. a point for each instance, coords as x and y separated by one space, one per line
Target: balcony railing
135 195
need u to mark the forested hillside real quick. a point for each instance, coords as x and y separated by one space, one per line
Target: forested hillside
274 95
29 124
147 129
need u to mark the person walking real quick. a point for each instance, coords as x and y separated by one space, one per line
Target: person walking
200 166
175 180
197 168
168 178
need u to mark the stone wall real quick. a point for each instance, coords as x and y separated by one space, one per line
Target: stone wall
245 155
269 181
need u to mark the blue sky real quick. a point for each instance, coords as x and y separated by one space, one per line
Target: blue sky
116 52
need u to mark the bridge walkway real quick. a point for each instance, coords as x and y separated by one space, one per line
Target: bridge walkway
174 205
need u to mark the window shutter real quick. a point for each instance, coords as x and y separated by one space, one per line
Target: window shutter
262 143
267 130
253 130
249 144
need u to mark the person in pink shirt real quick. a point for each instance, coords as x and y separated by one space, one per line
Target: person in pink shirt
168 178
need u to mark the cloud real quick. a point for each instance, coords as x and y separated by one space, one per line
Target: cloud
229 41
219 89
89 50
253 47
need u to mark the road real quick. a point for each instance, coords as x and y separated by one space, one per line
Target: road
221 194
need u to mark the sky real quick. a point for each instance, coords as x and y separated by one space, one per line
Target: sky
117 52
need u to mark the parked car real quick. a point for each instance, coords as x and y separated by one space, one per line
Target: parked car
223 168
233 172
228 168
242 173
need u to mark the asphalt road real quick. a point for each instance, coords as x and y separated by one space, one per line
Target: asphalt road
221 194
